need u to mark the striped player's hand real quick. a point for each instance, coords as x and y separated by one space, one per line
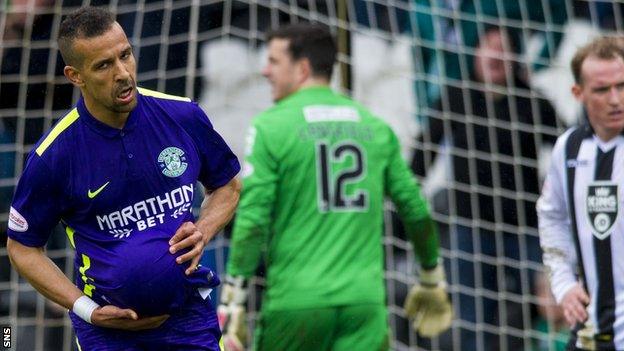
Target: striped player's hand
574 304
232 315
428 304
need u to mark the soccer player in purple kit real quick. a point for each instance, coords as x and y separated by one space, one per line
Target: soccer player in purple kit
119 172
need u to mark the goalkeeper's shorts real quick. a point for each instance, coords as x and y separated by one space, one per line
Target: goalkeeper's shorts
345 328
194 327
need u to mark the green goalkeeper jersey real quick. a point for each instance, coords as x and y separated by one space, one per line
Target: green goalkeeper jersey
317 168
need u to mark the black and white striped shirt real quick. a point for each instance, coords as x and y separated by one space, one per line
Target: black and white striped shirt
579 211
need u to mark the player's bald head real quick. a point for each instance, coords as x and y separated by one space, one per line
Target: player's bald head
86 22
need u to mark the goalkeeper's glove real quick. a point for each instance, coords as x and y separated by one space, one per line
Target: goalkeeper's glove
428 305
231 313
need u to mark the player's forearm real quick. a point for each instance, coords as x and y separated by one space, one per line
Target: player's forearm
424 237
218 208
251 227
413 210
245 249
555 234
559 256
42 273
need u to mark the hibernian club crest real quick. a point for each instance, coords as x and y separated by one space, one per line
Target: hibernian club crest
172 161
602 207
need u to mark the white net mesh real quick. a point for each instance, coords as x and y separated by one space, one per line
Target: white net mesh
411 63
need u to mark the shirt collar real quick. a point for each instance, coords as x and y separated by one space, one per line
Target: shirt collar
104 129
315 90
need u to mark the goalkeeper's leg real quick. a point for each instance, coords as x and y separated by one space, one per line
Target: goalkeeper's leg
345 328
296 330
362 327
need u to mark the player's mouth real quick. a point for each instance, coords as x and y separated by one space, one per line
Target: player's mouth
126 95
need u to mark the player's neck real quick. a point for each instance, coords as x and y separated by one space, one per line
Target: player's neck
110 118
314 82
606 135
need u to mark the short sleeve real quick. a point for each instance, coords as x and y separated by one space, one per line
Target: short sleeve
37 204
218 163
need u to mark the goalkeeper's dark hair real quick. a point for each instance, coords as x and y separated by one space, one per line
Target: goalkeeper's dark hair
311 41
86 22
604 48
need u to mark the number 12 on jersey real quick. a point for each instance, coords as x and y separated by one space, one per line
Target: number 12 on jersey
334 173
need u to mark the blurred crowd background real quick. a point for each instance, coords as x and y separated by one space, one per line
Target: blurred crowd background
477 90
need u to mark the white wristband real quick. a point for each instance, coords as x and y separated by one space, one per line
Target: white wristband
433 276
84 307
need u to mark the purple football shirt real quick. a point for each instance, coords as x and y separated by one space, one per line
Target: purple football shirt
121 195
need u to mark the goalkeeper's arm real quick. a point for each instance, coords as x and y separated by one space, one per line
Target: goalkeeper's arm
423 234
427 302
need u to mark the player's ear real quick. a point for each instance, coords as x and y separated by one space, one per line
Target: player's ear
577 91
73 75
304 69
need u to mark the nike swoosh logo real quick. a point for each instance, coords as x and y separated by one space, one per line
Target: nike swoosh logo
93 194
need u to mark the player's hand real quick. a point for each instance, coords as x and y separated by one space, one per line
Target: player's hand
188 236
428 305
574 304
110 316
231 313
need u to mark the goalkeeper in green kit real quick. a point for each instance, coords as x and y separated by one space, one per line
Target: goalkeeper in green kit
317 168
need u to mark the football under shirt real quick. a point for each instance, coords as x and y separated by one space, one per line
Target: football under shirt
121 195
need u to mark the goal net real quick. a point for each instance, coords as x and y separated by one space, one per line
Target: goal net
407 60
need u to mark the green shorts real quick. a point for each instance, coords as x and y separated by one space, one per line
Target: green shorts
353 327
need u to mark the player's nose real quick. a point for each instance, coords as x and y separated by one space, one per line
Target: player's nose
122 72
615 96
266 71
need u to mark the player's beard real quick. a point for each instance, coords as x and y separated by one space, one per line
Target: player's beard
122 108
